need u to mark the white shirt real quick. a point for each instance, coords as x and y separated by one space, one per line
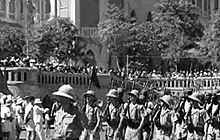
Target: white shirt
6 112
37 115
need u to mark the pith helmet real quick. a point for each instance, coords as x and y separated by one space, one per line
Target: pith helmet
134 92
166 99
196 96
37 101
19 101
89 92
142 97
64 91
112 93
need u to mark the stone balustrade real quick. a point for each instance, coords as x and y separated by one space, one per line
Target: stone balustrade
20 74
61 78
205 83
22 80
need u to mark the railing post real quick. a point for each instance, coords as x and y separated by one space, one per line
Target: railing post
9 76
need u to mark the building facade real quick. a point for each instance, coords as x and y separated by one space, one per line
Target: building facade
19 13
85 14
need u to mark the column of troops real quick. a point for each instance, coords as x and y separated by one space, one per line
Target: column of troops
194 116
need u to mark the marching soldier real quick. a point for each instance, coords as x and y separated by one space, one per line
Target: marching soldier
148 108
134 115
181 110
68 124
163 119
112 114
92 115
195 118
208 100
212 128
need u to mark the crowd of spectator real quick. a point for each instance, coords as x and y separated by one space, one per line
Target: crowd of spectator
131 74
135 74
48 67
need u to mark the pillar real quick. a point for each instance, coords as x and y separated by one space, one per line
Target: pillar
53 8
218 7
74 12
17 9
44 9
77 13
212 6
7 8
203 7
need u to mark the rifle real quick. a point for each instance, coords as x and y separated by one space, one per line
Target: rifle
154 119
106 110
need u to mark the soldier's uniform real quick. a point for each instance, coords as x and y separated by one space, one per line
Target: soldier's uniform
164 120
134 113
68 124
92 114
147 129
148 110
112 116
181 112
213 122
196 118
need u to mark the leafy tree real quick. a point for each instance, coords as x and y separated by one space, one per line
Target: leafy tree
12 41
126 35
180 28
113 28
210 43
55 39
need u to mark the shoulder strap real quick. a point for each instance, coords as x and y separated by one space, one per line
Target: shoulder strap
129 115
209 110
217 110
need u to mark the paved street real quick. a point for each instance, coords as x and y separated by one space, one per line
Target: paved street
23 135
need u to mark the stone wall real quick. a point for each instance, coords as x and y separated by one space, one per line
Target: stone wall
26 81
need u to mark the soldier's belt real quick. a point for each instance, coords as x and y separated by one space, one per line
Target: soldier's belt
132 124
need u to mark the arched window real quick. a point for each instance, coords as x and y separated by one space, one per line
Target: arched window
2 8
48 7
133 13
2 5
12 9
216 5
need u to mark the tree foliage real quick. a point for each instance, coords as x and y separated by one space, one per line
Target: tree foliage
210 43
180 27
55 38
12 41
126 35
172 30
